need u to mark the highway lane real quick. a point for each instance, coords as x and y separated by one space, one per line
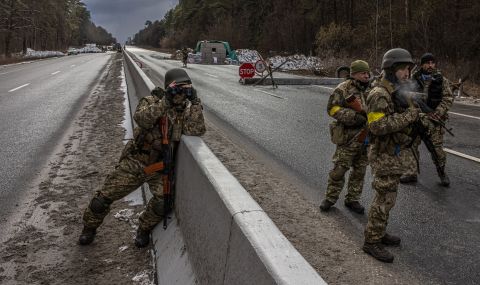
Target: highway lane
34 118
440 226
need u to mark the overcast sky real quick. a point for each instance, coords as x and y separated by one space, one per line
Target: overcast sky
124 18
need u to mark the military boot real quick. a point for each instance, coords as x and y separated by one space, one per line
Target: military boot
391 240
404 179
142 239
326 205
378 251
444 180
87 236
355 206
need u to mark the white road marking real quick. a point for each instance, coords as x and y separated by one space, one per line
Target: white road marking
19 87
473 158
468 116
73 65
271 94
58 71
211 75
3 73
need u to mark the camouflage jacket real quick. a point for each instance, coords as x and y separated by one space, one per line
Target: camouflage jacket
445 100
349 122
388 127
150 109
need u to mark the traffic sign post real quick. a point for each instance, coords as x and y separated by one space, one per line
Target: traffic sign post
246 70
260 66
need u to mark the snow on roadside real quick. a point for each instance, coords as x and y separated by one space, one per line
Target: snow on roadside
247 55
295 62
143 277
41 54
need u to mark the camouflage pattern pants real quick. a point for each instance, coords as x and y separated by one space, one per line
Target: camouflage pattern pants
385 196
347 157
436 134
128 176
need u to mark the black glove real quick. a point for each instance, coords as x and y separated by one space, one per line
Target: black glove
157 91
192 95
360 119
436 87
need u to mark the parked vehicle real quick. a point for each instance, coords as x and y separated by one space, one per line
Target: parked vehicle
72 51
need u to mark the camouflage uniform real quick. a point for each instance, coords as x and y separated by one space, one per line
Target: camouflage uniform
435 132
346 133
388 127
129 173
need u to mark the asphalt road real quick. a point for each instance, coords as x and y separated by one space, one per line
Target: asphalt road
38 102
440 227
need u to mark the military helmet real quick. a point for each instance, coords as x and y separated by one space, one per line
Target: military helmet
396 55
359 66
178 75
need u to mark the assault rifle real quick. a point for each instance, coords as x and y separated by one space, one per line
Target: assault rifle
168 171
404 99
162 155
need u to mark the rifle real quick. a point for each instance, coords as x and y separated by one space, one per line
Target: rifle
168 170
404 99
355 104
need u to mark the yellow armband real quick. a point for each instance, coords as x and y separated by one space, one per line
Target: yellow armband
375 116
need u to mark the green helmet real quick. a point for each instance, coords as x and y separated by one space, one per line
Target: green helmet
359 66
178 75
396 55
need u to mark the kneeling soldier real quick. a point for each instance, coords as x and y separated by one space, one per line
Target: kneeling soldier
178 111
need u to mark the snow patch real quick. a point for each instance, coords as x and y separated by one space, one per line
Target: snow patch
122 248
143 277
247 55
124 215
42 54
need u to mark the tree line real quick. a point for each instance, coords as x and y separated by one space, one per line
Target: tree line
47 25
328 28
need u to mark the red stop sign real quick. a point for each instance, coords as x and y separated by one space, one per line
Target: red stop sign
246 70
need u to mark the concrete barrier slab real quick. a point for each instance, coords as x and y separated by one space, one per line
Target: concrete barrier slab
295 81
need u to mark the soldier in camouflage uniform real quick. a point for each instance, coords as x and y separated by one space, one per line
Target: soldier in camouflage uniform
347 106
389 133
184 111
439 98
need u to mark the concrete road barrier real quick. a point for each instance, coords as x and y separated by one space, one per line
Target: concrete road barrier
225 235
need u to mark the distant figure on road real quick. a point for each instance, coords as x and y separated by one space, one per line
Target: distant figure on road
178 111
349 132
184 56
389 133
440 99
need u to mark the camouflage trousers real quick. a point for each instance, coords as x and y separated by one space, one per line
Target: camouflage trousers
346 157
436 134
128 176
385 196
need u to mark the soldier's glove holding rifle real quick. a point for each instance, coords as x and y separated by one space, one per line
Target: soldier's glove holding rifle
436 86
354 103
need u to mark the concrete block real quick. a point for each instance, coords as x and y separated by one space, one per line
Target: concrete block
171 257
260 254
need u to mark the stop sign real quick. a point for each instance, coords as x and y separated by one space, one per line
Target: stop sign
246 70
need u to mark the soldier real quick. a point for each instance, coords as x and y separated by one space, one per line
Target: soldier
439 98
184 56
388 126
184 111
347 106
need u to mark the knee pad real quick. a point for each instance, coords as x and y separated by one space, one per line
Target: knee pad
99 204
338 172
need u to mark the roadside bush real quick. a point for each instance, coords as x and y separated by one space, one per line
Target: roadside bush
334 40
